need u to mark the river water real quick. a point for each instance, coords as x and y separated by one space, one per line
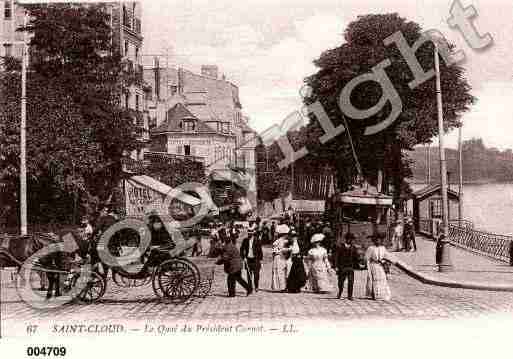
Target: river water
489 206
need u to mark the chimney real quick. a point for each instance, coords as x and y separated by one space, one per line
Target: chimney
210 71
179 85
156 69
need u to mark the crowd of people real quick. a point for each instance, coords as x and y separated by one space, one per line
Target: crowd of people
403 237
305 256
305 253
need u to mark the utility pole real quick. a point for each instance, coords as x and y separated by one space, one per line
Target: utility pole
428 164
23 129
445 262
460 188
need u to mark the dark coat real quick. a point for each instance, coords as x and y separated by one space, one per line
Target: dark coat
104 223
346 257
257 248
230 258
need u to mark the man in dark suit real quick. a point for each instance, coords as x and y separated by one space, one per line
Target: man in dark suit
106 219
232 262
346 261
251 252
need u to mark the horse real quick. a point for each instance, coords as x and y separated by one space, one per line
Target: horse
16 250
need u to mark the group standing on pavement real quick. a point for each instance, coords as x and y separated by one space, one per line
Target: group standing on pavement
305 256
403 236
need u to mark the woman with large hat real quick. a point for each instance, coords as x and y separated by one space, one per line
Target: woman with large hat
297 275
281 259
376 256
319 268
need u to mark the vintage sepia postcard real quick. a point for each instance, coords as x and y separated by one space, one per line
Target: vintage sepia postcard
252 178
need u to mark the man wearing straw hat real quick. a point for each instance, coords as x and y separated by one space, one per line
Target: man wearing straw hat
252 255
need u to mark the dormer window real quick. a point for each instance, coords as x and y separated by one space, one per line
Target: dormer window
189 126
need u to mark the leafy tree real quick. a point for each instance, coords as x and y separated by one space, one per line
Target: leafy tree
363 48
77 131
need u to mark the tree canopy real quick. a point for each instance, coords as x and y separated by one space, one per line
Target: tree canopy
77 131
417 123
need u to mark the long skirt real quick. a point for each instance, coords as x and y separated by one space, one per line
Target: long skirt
319 278
280 269
297 276
377 284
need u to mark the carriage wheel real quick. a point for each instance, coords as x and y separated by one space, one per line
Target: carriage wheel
178 280
94 289
125 282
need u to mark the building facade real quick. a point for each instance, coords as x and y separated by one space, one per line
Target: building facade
125 21
11 18
200 115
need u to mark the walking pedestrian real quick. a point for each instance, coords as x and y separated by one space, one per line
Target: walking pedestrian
232 262
251 252
346 261
377 284
410 235
281 259
397 237
319 268
297 275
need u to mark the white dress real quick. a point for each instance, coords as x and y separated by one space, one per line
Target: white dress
319 270
281 264
377 284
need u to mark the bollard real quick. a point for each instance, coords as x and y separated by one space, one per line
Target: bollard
442 255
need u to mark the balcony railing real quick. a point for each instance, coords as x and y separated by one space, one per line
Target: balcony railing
174 156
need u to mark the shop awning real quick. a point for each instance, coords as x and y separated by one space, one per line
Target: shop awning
164 189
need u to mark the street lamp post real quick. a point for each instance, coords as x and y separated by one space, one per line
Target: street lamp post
445 263
23 145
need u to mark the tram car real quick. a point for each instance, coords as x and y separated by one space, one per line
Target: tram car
363 211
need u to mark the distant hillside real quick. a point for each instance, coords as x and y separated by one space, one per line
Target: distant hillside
480 164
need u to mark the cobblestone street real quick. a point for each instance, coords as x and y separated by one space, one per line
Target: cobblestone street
411 300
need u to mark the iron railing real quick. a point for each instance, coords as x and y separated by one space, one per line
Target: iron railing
489 244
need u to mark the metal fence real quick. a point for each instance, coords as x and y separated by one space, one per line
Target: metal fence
489 244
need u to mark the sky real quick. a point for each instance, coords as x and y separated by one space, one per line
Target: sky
267 47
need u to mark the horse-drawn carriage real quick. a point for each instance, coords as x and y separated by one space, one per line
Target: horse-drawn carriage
174 277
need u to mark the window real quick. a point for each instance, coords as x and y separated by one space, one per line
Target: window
137 102
435 208
126 48
187 150
7 9
8 49
153 122
137 54
126 19
189 126
127 99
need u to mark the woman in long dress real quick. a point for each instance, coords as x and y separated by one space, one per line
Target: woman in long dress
297 275
397 237
377 284
281 259
319 267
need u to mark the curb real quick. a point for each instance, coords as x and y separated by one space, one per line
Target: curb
426 279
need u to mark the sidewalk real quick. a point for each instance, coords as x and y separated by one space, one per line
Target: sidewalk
467 266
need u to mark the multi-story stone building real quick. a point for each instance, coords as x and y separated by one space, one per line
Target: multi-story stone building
11 18
125 21
200 115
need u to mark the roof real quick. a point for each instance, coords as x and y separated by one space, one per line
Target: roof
175 116
245 128
432 189
164 189
365 196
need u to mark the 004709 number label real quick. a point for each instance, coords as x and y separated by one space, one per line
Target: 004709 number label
46 351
